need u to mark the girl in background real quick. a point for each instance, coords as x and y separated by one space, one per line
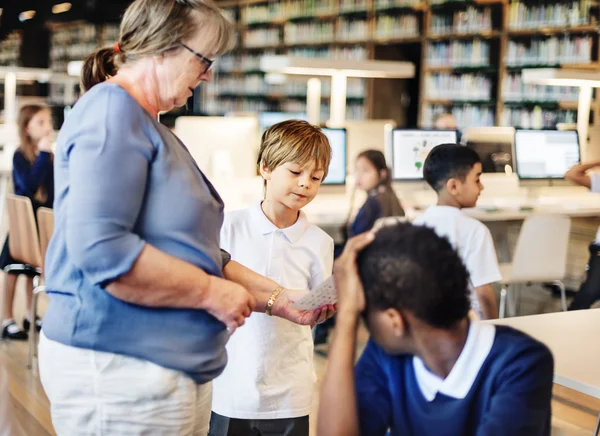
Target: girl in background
372 176
33 177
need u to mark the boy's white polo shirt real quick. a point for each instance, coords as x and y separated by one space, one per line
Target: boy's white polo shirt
270 372
471 239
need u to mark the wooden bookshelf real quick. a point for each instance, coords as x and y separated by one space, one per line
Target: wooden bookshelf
504 30
10 49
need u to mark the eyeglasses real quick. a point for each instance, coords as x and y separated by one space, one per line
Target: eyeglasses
209 63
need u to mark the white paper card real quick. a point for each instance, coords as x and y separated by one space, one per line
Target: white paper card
320 296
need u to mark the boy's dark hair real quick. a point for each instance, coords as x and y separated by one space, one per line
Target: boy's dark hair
411 268
448 161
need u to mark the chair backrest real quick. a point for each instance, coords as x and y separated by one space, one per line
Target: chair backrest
541 251
24 242
45 217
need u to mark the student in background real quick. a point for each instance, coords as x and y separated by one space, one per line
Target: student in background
454 171
428 368
268 384
33 177
589 292
445 121
372 176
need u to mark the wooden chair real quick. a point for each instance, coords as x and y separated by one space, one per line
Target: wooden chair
45 228
24 243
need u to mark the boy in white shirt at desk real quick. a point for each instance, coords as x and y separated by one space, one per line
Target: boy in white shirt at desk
589 291
268 384
454 171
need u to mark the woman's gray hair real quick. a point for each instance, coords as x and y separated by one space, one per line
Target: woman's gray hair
152 27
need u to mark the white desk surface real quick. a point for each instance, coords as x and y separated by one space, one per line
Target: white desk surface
573 339
325 211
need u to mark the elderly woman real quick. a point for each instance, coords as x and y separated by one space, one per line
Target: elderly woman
142 299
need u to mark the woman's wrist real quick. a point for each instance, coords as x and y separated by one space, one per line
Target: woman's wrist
206 283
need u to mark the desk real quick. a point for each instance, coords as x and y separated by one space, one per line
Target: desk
572 338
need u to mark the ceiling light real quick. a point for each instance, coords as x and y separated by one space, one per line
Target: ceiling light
61 7
26 15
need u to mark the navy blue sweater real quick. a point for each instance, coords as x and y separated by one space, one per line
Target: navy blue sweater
28 177
510 396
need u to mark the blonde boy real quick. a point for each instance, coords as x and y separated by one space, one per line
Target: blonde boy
268 384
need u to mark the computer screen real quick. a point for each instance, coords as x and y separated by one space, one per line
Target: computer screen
545 154
410 148
494 145
337 167
267 119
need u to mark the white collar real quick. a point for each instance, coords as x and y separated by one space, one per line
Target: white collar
265 226
480 340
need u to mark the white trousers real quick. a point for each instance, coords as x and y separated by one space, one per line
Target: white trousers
104 394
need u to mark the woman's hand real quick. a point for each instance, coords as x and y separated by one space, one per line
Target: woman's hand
351 296
229 302
283 309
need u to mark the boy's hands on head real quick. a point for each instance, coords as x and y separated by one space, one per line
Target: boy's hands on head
351 296
283 309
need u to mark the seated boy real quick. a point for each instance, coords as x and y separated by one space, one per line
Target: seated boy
428 369
453 171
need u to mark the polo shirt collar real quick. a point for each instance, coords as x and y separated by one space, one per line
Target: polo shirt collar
265 226
480 340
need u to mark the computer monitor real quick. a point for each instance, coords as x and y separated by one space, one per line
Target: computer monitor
337 167
410 148
494 145
222 147
545 154
267 119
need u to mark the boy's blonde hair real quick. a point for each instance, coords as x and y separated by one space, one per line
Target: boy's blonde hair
294 141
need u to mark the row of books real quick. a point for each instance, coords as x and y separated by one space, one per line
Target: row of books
550 51
10 49
75 41
262 37
466 115
352 30
459 53
388 4
274 11
548 13
251 61
398 26
350 53
353 5
471 20
536 118
514 90
298 33
255 85
458 86
283 10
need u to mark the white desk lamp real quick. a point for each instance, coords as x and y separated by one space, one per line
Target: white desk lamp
339 71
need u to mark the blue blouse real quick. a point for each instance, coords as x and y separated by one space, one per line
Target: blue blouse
122 181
